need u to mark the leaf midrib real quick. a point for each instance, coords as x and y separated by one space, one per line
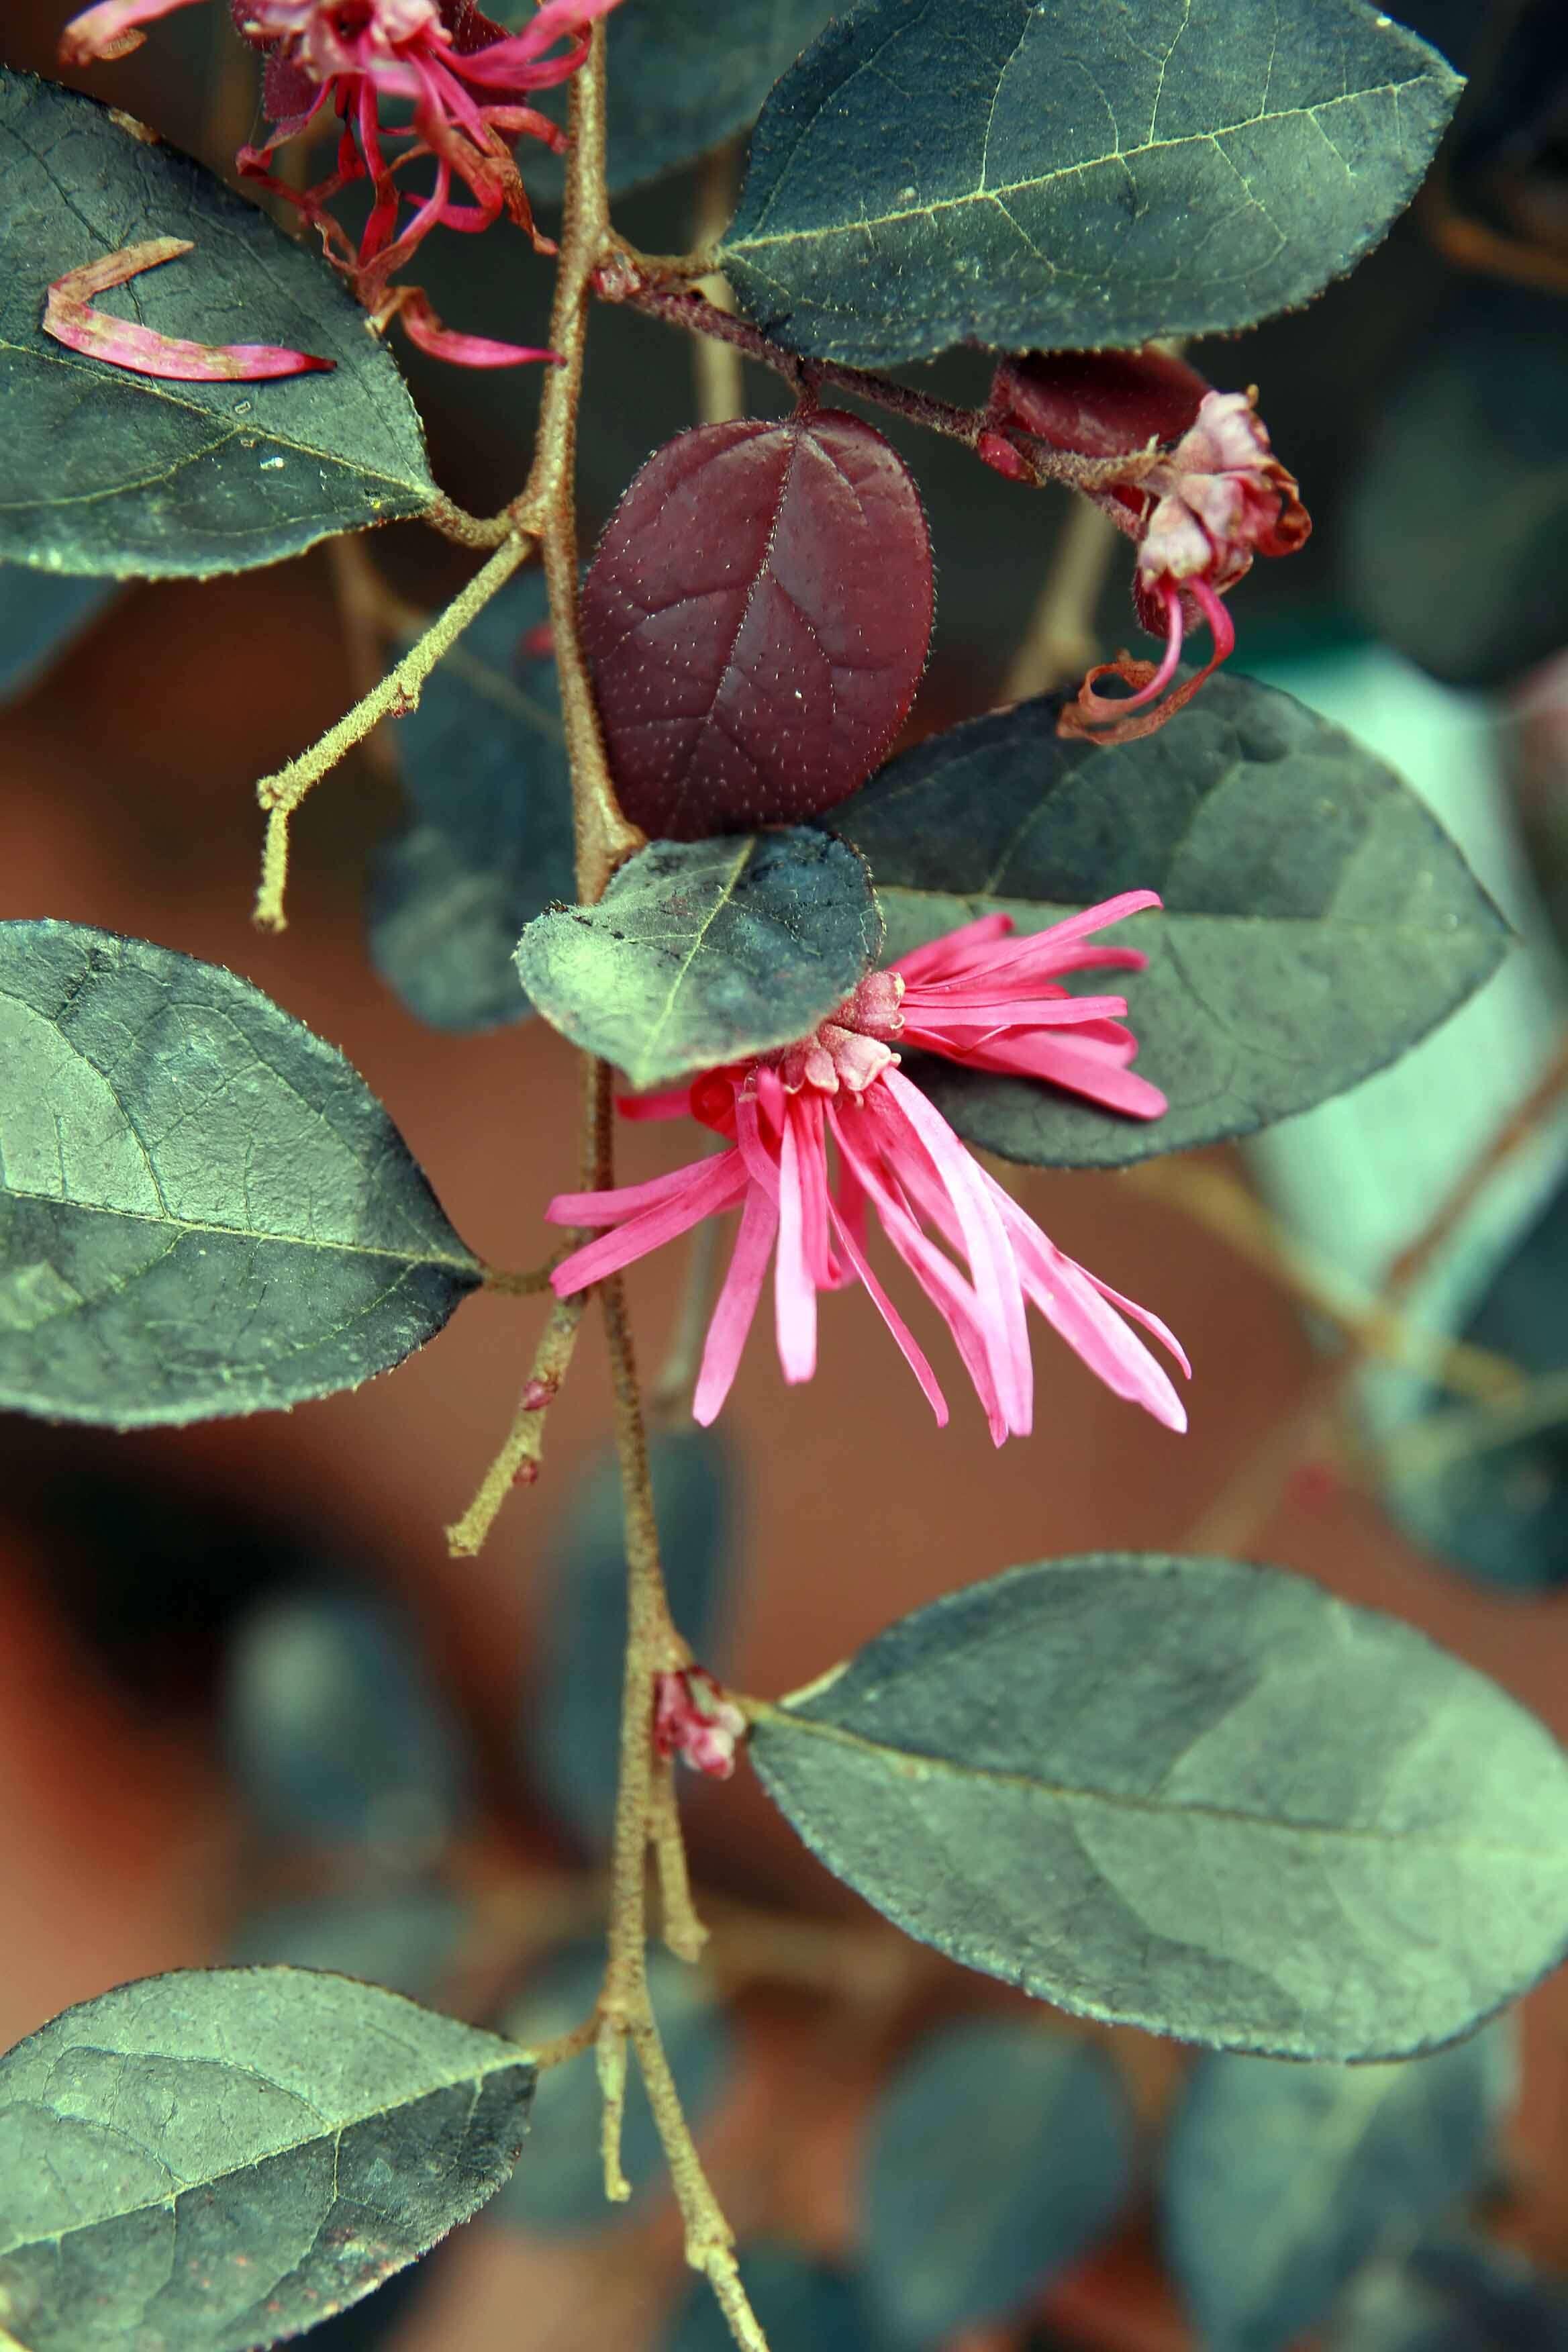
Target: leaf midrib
243 1233
243 428
724 893
1003 189
328 2131
1116 1800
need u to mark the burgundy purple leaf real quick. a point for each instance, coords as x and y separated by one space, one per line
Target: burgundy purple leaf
757 617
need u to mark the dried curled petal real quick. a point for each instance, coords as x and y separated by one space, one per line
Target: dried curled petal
112 29
1123 719
411 305
70 318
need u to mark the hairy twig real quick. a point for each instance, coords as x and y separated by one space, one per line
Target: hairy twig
517 1464
363 609
632 278
397 694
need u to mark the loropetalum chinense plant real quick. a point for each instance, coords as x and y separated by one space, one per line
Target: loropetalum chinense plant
878 985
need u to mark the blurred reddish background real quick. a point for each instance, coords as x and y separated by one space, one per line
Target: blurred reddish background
129 776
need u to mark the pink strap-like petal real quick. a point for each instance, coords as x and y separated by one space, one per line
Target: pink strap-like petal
943 1285
933 961
714 1185
795 1293
909 1346
1076 1306
736 1308
70 318
1079 1068
423 327
675 1102
513 63
613 1208
998 1292
112 29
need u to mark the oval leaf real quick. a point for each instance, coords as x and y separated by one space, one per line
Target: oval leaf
1185 1794
1459 2294
757 617
1465 485
109 472
1278 2182
802 2304
209 2160
563 2191
705 952
203 1209
334 1729
1071 173
484 767
1001 2153
571 1725
1316 918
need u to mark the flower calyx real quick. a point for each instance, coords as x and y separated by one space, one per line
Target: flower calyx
850 1050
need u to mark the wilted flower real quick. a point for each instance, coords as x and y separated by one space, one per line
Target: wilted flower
465 79
1203 494
979 996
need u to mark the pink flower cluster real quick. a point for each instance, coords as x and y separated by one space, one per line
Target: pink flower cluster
694 1720
1203 494
464 80
979 996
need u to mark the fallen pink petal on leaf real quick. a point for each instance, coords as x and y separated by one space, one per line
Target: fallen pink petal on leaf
70 318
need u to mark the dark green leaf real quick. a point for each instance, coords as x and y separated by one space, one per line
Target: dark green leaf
571 1716
405 1941
490 846
1316 918
39 617
1001 2153
1071 173
1457 545
1278 2182
209 2160
203 1209
1456 2294
563 2189
802 2306
705 951
1486 1486
678 86
336 1733
107 471
1189 1795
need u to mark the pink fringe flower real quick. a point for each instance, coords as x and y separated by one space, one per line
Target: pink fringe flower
978 996
1203 494
464 78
